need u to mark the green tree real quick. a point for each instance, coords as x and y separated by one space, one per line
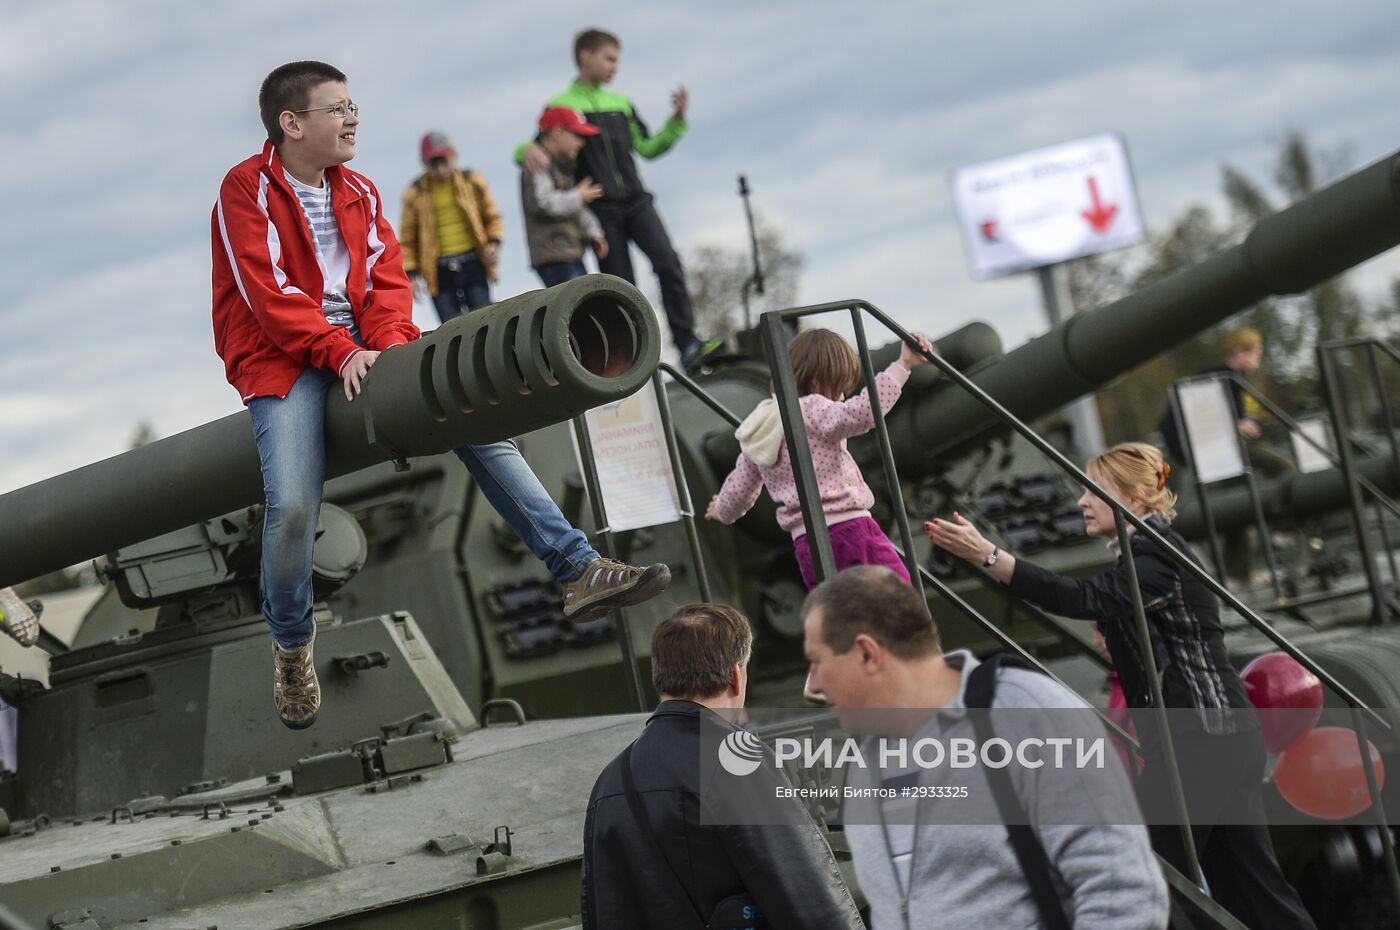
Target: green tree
1292 326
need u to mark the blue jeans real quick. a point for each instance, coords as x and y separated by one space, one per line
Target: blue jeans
510 485
461 285
558 272
290 434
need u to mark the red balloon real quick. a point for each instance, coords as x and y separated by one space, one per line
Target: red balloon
1276 682
1323 776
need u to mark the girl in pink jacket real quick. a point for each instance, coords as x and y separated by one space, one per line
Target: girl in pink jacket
826 369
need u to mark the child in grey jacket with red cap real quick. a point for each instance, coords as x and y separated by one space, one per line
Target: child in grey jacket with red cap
559 227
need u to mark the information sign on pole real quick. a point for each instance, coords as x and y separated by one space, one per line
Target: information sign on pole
1211 430
1048 206
1310 458
634 468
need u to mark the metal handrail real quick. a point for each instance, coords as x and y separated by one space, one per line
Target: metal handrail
1342 432
1039 616
1358 341
605 533
702 395
1183 885
1295 428
1181 559
819 542
938 584
1075 472
820 545
867 367
1204 902
1382 500
687 507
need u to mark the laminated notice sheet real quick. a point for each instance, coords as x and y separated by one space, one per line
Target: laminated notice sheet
1211 430
634 468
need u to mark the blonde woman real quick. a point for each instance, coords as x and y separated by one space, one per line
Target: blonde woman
1216 736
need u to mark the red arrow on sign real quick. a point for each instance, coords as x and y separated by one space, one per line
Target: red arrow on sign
1100 215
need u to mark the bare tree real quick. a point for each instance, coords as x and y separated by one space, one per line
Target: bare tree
717 274
144 434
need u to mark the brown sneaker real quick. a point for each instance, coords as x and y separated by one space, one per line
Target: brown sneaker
606 584
17 618
295 690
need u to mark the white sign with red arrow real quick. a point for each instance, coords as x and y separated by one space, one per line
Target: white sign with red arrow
1048 206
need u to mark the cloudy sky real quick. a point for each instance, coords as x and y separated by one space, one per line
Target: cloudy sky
122 118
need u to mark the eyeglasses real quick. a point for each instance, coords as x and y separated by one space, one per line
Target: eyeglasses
338 110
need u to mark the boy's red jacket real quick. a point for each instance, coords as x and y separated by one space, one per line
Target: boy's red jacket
268 322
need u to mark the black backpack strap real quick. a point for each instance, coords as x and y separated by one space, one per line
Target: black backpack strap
982 683
1025 843
634 801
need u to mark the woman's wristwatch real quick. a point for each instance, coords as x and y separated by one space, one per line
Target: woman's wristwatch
991 560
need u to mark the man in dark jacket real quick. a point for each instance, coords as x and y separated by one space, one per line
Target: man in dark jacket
692 860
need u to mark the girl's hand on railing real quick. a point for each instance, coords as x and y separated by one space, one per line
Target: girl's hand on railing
911 359
710 512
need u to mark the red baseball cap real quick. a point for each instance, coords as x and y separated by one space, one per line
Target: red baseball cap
566 118
436 145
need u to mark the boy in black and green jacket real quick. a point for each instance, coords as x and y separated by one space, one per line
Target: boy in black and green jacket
625 210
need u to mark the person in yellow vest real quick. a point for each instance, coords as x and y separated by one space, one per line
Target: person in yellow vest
451 231
1244 354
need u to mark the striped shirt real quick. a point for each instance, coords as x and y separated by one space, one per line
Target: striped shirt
331 251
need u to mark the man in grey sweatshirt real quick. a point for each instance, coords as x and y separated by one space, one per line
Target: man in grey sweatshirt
871 644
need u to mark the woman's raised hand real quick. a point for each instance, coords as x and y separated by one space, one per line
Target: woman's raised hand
958 537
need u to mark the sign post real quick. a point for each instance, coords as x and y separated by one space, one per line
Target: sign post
634 470
1036 210
1082 414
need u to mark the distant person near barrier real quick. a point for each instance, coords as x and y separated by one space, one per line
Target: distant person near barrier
826 369
559 227
871 645
451 231
626 209
1219 744
1244 353
652 857
309 290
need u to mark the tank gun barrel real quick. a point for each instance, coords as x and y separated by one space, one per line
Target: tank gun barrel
1346 223
1285 500
969 345
522 364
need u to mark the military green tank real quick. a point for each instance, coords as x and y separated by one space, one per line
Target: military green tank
155 788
